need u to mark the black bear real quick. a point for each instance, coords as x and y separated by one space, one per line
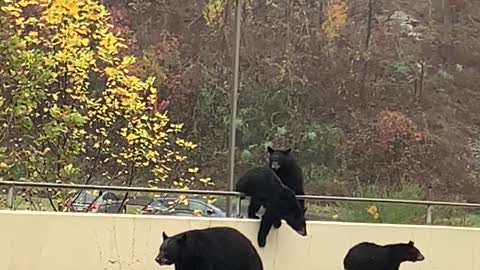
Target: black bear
267 190
370 256
287 168
217 248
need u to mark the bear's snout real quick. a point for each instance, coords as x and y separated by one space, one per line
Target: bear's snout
275 165
162 260
302 232
420 257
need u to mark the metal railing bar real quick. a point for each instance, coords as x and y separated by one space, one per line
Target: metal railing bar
233 193
382 200
117 188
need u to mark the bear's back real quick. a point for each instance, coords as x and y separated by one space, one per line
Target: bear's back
259 181
225 248
366 256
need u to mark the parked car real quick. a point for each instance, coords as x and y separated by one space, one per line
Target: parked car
104 202
171 206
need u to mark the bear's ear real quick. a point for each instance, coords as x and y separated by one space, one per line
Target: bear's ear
411 243
288 150
182 238
270 149
164 235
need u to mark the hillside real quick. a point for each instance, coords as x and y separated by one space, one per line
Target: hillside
392 97
377 98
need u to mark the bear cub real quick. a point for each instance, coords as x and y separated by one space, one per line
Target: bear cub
284 164
217 248
266 189
370 256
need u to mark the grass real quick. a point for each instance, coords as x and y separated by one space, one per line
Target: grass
394 214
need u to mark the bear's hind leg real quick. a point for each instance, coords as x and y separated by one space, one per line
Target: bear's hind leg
253 208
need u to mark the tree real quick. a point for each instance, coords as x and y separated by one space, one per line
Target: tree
70 109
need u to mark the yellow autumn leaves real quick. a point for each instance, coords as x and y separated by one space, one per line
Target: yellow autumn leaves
92 102
336 18
213 12
373 211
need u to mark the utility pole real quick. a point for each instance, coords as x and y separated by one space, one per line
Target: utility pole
233 116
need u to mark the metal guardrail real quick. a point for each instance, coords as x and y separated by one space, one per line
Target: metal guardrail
13 184
428 204
238 195
394 201
117 188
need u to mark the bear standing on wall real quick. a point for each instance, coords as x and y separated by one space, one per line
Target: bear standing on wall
287 168
217 248
370 256
266 189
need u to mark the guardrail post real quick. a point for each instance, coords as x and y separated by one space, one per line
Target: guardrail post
10 197
429 214
239 205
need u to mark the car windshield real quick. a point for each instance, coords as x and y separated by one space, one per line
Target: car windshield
109 196
216 209
198 205
87 197
174 203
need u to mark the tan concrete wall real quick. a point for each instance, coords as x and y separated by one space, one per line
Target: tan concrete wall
58 241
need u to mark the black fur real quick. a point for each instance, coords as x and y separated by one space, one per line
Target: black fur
287 169
217 248
370 256
265 188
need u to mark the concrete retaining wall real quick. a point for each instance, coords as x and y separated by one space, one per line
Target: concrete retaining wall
59 241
